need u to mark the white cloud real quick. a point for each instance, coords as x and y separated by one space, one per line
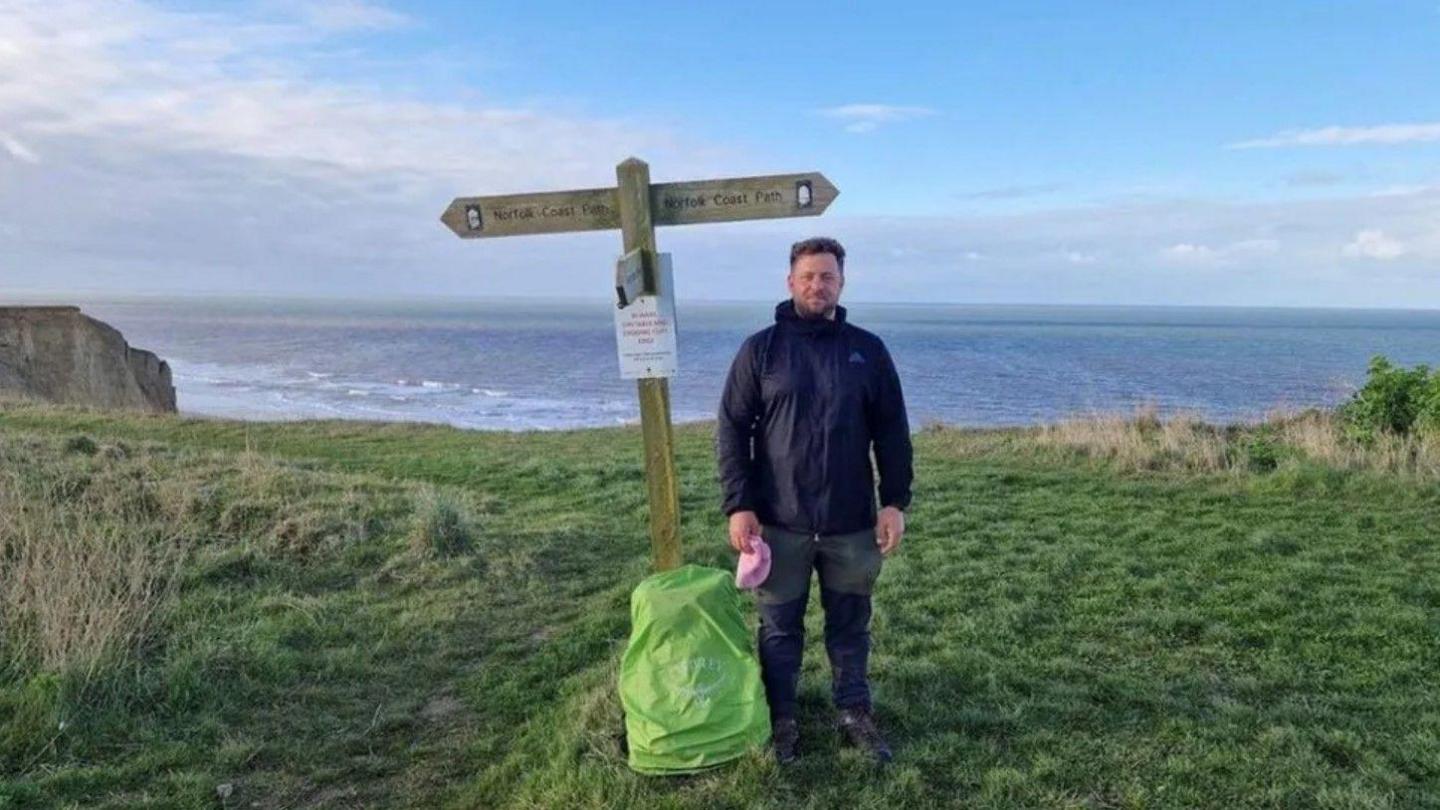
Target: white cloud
868 117
1255 254
1372 243
17 150
200 153
161 81
349 15
1187 251
1314 178
1013 192
1243 250
1254 247
1383 134
1080 257
1401 190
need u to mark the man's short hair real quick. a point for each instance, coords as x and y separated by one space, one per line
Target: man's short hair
816 245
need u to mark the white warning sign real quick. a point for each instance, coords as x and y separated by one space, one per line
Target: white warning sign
645 330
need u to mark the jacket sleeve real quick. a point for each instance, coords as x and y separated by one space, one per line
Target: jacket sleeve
740 412
890 432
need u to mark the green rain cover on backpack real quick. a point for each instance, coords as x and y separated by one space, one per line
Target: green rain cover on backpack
690 682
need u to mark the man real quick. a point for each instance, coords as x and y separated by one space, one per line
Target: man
804 402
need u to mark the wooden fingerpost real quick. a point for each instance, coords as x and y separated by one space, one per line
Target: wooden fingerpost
636 207
638 233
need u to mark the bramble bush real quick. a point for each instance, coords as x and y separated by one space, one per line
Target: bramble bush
1394 400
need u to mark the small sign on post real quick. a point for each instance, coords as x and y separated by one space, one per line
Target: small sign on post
630 277
645 317
645 330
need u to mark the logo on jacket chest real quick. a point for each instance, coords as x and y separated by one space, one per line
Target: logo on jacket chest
816 375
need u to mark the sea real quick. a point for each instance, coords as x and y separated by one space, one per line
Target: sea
548 365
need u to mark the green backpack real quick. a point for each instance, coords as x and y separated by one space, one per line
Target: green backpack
690 682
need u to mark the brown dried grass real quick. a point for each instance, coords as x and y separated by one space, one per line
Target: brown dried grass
80 576
1144 440
1318 436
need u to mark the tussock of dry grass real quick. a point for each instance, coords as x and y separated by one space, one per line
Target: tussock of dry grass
443 527
81 576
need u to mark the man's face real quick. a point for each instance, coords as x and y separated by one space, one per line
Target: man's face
815 283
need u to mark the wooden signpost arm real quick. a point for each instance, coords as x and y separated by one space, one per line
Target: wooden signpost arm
638 229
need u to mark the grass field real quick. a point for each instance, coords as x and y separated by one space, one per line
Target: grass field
219 614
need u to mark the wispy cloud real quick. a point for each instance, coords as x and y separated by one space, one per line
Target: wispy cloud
1241 250
130 72
1015 192
17 150
1382 134
1313 178
869 117
1189 251
349 15
1372 243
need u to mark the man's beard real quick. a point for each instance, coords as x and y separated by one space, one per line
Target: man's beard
804 311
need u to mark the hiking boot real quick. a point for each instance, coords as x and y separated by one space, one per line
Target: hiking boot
857 728
785 739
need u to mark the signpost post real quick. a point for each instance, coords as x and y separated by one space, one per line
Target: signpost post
636 206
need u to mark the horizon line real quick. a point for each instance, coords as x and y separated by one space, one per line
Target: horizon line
68 298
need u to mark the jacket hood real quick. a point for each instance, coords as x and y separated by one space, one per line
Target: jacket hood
785 314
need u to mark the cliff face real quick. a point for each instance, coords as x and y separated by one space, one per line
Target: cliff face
59 354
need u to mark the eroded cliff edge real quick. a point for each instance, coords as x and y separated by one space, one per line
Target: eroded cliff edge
59 354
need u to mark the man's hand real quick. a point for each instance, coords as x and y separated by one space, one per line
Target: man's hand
742 525
889 528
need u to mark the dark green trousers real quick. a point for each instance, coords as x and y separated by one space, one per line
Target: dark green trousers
848 565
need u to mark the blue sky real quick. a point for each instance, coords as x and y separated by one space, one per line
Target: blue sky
1063 101
1218 153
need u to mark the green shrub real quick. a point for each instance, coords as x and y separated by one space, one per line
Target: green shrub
1427 419
1262 452
1390 401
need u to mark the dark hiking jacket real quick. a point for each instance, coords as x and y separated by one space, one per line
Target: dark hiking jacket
803 403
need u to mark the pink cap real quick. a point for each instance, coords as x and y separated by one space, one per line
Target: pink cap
754 566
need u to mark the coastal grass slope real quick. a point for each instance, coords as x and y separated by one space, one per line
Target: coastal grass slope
1132 613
